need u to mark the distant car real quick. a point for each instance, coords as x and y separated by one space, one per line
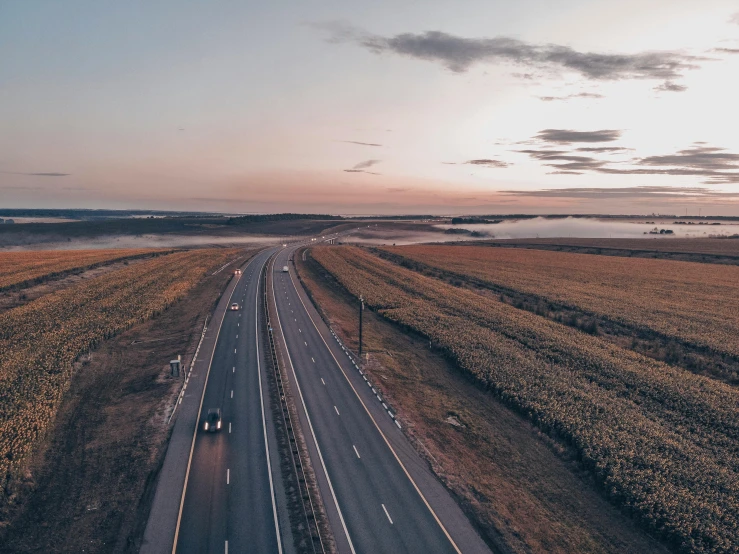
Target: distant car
235 306
213 421
285 269
237 272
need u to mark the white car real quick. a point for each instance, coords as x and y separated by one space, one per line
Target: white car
235 306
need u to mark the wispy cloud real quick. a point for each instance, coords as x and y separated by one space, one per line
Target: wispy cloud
365 164
360 143
37 174
458 54
734 18
715 165
566 136
488 163
603 149
361 167
590 95
726 50
669 86
627 192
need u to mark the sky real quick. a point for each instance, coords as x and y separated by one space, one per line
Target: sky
388 107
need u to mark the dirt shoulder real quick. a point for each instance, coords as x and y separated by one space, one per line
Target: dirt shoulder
89 486
515 484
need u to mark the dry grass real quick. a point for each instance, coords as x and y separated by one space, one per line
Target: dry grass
22 268
659 441
41 340
694 303
517 486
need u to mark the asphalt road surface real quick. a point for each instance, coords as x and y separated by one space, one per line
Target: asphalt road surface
230 502
380 497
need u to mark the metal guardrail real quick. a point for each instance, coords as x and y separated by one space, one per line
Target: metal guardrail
189 370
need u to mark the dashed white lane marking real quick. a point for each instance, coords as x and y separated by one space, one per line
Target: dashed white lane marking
229 426
305 343
337 410
237 336
356 451
228 476
388 515
232 393
313 360
238 324
300 330
322 381
226 547
234 351
233 370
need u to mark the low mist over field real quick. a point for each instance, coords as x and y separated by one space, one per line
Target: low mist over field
593 228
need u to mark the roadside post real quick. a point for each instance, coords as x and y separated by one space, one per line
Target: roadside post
361 309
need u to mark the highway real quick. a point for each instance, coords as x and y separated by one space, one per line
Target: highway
232 488
379 495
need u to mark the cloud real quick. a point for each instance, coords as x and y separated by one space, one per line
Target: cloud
602 149
591 95
565 136
627 192
361 167
726 50
37 174
361 171
458 54
397 189
669 86
488 163
360 143
365 164
734 18
714 164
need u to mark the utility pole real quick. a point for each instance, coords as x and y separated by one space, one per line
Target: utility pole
361 309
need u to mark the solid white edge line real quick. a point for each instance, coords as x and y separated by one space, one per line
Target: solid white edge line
310 425
264 421
337 411
197 423
356 451
415 486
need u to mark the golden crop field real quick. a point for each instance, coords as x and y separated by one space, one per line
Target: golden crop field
27 266
696 303
660 441
40 341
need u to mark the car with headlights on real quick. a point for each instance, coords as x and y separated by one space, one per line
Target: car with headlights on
213 421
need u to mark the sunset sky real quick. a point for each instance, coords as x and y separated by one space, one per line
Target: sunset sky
483 106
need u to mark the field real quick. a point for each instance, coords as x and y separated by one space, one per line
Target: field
523 492
659 441
706 250
686 303
42 339
18 269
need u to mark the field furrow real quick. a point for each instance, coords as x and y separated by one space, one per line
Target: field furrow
660 441
40 341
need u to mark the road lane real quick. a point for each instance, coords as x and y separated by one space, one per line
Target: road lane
230 494
382 508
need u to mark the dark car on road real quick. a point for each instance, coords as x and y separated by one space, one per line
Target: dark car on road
213 421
